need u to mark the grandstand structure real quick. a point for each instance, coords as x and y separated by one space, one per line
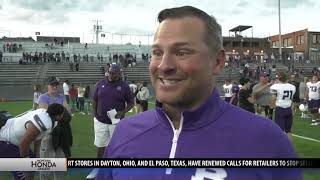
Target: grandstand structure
17 80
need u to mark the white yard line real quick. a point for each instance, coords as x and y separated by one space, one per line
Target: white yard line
303 137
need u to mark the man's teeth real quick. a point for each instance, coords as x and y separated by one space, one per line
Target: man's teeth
169 82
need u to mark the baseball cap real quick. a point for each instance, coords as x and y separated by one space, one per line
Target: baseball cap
264 74
52 80
114 68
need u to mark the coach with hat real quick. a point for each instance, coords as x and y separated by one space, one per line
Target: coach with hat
111 95
48 148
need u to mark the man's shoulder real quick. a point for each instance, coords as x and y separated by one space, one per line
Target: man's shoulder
141 121
131 127
256 86
101 81
274 86
124 83
259 126
41 119
44 96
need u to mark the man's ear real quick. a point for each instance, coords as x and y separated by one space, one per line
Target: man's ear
220 62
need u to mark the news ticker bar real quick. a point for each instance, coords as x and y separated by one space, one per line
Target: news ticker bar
62 164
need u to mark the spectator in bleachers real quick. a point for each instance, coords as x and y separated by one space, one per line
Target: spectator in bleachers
7 46
63 56
58 58
79 57
98 56
74 57
40 57
77 66
1 56
45 57
102 69
68 57
87 58
71 65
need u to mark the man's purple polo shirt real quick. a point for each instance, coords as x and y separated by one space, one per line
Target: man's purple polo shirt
111 95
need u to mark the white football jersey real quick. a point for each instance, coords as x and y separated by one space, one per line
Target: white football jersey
284 94
314 90
15 128
227 90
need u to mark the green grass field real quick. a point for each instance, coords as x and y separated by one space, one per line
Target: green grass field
82 126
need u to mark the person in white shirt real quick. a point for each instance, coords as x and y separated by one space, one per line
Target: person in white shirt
134 88
143 96
36 95
17 134
282 95
81 98
312 94
65 87
227 88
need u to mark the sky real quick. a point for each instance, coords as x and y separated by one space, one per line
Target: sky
138 17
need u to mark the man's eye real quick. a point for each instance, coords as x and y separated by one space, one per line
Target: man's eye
156 53
180 53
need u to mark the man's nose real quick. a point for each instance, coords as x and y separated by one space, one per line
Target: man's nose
167 64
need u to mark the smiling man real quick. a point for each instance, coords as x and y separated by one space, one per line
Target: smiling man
190 119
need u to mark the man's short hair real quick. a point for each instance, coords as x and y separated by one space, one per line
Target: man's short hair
212 36
282 76
52 80
55 109
244 81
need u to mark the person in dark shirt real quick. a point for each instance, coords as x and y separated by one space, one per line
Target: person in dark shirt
296 98
235 93
246 102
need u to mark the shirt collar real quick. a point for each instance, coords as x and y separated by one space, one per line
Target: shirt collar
208 112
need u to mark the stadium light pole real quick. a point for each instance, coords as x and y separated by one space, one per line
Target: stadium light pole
280 40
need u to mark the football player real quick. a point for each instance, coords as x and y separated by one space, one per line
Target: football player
282 96
227 88
312 94
19 133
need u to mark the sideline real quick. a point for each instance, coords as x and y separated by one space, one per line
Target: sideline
303 137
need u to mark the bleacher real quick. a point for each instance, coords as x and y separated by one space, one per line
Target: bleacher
15 77
105 50
15 74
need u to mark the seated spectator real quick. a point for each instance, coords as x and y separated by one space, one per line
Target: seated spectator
102 69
